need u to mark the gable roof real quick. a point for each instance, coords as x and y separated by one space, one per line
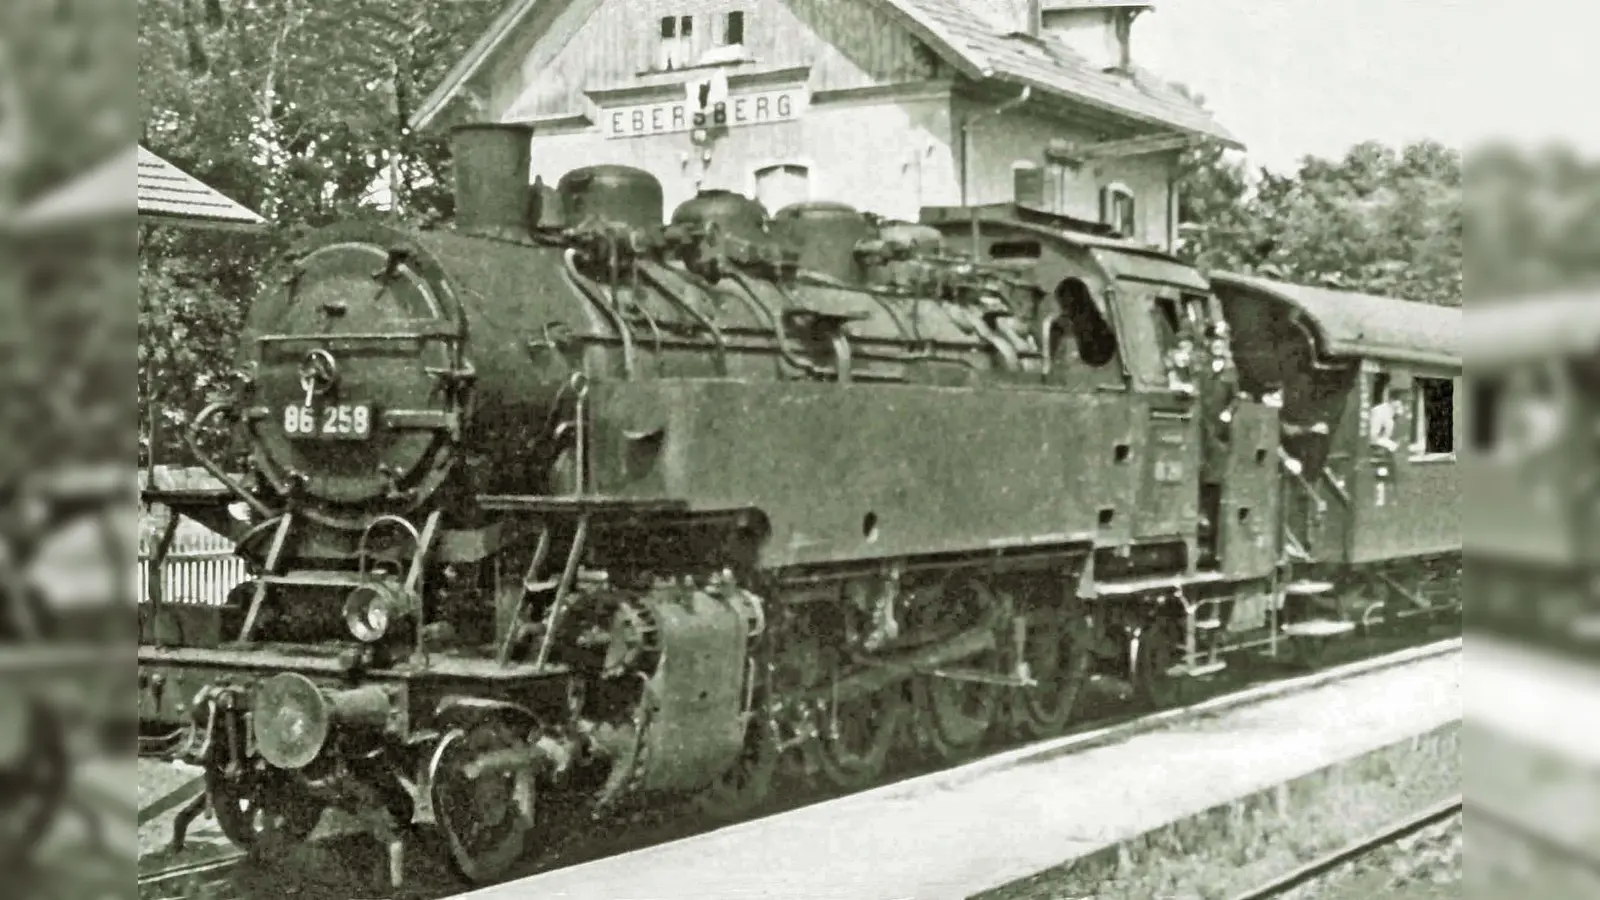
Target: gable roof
160 191
963 38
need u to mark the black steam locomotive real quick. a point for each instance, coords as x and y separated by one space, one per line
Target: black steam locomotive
567 507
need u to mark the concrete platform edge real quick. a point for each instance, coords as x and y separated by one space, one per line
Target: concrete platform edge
1088 875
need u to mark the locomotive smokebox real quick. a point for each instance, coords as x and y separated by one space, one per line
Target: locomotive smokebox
491 174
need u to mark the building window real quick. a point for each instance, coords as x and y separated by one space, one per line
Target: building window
782 185
733 29
1117 209
1434 424
677 43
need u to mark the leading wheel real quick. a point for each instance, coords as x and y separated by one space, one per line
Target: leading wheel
263 812
486 821
33 780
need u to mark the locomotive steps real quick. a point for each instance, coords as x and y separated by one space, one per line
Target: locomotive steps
1091 814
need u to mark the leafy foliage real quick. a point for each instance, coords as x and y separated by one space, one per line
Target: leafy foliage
1378 220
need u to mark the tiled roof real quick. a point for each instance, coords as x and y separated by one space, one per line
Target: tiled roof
978 47
170 194
158 188
988 50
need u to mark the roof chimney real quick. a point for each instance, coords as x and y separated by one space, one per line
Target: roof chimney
1033 18
491 178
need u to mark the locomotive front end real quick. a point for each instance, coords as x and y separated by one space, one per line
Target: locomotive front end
358 379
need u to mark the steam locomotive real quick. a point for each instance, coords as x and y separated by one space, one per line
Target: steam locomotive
568 509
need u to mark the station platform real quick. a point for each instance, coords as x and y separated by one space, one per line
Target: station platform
967 830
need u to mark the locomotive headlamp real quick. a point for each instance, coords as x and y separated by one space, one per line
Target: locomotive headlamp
292 717
373 610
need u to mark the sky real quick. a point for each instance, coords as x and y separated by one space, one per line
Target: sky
1297 77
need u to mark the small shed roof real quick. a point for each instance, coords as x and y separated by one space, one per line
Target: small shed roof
168 194
1511 330
138 183
1349 324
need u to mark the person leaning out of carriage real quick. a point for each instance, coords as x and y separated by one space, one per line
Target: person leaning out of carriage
1291 432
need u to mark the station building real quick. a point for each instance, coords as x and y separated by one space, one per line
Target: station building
888 105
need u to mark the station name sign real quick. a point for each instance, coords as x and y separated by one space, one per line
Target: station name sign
671 116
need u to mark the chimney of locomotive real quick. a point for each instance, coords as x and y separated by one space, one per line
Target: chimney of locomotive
491 179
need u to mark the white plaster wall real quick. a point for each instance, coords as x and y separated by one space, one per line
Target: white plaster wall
884 155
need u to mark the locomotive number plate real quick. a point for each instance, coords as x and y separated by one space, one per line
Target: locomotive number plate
335 421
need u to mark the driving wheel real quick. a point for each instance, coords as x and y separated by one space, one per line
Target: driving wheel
486 820
853 747
748 782
1058 660
957 714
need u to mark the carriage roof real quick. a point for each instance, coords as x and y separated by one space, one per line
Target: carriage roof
1508 331
1348 324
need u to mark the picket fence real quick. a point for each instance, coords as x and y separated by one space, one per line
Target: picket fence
199 569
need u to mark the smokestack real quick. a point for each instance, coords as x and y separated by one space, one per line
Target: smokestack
491 175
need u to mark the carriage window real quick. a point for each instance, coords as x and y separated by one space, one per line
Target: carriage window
1435 422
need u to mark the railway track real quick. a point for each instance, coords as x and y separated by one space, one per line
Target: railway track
211 879
1353 853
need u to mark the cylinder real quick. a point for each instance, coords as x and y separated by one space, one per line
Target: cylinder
492 161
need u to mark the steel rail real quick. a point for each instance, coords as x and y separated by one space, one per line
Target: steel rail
217 865
1354 852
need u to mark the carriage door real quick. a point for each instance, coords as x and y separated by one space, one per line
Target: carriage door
1154 326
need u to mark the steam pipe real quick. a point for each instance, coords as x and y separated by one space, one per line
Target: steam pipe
966 157
210 465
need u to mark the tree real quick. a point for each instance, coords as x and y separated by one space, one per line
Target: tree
296 108
1377 220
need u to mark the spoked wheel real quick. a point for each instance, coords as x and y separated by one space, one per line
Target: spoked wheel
748 783
957 715
853 747
486 821
33 780
263 812
1059 661
1157 649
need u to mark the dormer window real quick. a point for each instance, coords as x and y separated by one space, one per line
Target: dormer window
675 51
720 41
1117 209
